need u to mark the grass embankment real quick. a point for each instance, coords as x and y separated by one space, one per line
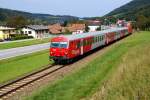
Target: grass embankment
23 43
85 82
131 81
17 66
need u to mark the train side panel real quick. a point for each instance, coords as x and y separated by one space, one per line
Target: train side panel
87 44
98 41
109 37
74 48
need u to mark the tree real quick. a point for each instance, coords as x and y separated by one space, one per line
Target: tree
17 21
65 23
141 22
87 28
67 32
98 29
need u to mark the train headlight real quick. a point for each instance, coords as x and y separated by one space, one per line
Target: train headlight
66 53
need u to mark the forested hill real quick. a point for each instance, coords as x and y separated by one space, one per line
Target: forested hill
7 14
132 10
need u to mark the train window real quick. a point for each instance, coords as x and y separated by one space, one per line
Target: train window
78 44
100 38
96 39
54 44
63 44
58 44
92 40
89 41
84 42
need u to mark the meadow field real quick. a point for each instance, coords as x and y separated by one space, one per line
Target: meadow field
18 66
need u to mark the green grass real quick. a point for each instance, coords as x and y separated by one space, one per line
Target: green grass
85 82
18 66
23 43
131 80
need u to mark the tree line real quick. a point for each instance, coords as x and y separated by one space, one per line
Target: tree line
143 23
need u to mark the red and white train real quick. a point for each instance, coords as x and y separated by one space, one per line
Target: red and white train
65 48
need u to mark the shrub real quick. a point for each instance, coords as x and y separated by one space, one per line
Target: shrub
20 36
1 40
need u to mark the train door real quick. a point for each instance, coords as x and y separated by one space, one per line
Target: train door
107 38
81 48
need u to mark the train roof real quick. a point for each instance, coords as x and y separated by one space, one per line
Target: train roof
83 35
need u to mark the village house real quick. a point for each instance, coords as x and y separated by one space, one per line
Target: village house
37 31
5 32
55 29
93 25
76 28
72 28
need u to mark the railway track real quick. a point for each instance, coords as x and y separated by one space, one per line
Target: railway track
11 87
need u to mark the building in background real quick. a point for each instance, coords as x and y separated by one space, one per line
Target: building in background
69 29
93 25
5 32
76 28
37 31
55 29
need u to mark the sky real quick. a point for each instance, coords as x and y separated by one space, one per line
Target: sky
80 8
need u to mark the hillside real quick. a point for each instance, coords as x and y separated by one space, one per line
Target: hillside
133 8
6 14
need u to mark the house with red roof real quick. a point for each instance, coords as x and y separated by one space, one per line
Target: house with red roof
76 28
55 29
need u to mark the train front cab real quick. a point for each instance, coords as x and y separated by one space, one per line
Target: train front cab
59 49
64 50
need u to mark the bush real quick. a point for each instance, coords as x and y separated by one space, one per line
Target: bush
1 40
20 36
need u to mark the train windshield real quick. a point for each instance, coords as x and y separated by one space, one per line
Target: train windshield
58 44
